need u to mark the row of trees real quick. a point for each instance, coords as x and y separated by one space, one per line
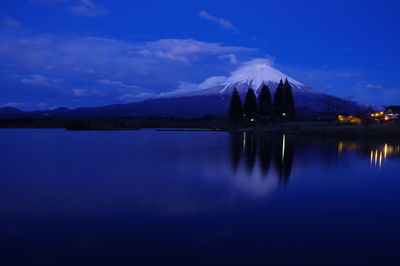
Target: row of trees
262 108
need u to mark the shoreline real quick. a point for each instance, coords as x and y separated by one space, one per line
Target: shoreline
307 128
326 129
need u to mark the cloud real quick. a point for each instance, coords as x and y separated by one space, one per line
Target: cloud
83 8
14 104
187 87
123 70
9 21
186 50
79 92
49 1
87 8
225 24
116 84
41 81
373 86
91 55
231 57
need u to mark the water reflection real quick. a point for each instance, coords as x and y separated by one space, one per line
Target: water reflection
266 149
256 157
378 153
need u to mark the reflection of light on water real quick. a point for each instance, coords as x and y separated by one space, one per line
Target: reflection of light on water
385 150
283 147
371 157
244 140
347 146
340 147
380 154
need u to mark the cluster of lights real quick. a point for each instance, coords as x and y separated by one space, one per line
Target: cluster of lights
382 115
378 115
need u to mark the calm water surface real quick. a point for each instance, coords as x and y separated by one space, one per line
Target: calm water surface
196 198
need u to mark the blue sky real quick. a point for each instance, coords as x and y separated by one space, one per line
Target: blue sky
94 52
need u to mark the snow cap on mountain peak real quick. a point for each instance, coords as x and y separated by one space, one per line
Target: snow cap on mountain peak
258 71
250 74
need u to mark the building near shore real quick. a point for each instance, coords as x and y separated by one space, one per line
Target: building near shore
393 110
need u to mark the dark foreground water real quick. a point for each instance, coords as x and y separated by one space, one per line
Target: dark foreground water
196 198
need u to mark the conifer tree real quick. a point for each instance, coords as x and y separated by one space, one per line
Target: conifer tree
250 105
235 107
288 100
264 103
278 100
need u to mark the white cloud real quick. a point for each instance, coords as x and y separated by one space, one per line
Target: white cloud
87 8
9 21
49 1
187 87
79 92
119 68
14 104
83 8
231 57
186 50
225 24
41 81
116 84
373 86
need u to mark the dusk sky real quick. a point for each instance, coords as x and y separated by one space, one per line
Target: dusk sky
96 52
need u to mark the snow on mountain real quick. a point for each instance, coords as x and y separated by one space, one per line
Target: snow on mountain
252 74
255 73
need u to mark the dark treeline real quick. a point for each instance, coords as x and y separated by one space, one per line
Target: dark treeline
116 123
263 109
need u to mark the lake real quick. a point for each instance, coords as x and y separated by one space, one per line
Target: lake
196 198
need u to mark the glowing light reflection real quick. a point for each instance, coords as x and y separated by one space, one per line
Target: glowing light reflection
283 147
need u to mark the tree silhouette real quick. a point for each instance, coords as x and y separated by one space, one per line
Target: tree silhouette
264 103
235 107
278 100
250 105
288 100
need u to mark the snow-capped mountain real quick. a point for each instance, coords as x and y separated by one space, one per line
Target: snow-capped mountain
251 75
210 97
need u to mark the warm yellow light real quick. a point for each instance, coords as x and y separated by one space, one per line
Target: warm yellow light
340 147
387 118
371 157
385 150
